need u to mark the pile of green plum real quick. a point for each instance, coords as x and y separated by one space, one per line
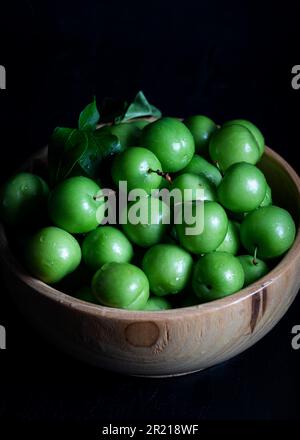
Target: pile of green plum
154 266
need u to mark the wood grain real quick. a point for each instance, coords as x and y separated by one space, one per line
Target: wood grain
171 342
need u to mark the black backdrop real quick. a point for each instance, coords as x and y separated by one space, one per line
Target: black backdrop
223 59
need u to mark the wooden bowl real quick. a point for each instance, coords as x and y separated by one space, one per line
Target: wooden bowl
173 342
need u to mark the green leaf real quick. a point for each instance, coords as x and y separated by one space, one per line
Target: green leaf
140 107
100 145
87 147
109 144
66 147
89 117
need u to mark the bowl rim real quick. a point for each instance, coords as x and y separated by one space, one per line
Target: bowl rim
79 305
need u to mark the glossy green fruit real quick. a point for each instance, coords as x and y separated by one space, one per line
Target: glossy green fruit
243 188
106 244
171 141
189 183
268 198
253 269
85 294
231 242
198 165
201 128
137 167
269 229
215 224
216 275
121 285
253 129
140 123
72 205
155 304
51 254
168 268
23 199
146 222
128 133
232 144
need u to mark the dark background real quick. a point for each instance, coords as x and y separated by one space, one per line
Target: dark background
223 59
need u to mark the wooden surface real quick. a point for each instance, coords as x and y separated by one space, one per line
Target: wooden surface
170 342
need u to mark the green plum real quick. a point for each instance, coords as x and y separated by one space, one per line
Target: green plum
51 254
146 222
192 182
231 242
253 129
137 166
270 229
268 197
140 123
106 244
199 165
121 285
215 224
168 268
128 133
76 205
23 199
201 128
171 141
243 188
232 144
254 268
216 275
155 304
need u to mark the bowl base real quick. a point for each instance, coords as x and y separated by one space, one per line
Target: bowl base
164 376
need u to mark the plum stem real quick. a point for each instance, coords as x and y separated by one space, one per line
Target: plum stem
254 261
162 174
98 197
217 164
103 196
